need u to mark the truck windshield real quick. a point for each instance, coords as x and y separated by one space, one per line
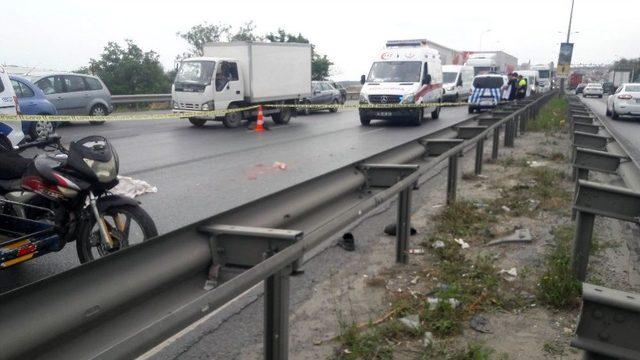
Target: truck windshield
488 82
195 72
479 70
544 74
449 77
395 71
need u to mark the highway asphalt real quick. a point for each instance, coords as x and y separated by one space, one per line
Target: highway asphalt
200 172
626 129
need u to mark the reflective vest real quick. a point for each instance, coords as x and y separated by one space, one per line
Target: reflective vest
522 83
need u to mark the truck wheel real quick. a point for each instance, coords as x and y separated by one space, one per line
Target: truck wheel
232 119
435 114
197 122
418 118
334 106
283 117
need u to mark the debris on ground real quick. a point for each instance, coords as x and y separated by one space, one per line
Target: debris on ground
418 251
510 274
412 322
520 235
279 165
480 323
506 209
348 242
438 244
131 187
462 243
434 302
535 164
392 229
427 339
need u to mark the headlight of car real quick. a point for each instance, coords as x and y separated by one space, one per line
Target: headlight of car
364 99
450 88
409 99
207 106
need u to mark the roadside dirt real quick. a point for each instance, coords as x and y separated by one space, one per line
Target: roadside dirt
363 293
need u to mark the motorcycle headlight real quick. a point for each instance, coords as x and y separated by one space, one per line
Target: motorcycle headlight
364 99
106 171
409 99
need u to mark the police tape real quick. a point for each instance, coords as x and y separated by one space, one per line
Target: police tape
215 113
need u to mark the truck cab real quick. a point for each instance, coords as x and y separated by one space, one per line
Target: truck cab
483 64
544 77
403 74
206 84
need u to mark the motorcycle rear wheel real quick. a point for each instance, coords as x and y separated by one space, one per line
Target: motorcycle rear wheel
119 221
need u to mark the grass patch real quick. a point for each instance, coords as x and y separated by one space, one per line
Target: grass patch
551 117
511 161
472 351
539 189
463 219
555 348
372 343
557 287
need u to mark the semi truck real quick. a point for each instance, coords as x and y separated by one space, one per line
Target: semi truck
575 79
485 62
544 77
238 75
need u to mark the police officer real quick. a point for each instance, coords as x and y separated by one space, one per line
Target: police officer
522 88
513 86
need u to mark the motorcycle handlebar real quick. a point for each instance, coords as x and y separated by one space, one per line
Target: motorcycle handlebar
52 139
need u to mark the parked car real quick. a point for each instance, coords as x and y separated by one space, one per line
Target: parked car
32 101
593 89
322 92
76 94
342 89
10 131
487 92
625 101
580 88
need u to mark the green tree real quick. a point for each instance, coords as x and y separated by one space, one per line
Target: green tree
130 70
320 64
245 33
203 33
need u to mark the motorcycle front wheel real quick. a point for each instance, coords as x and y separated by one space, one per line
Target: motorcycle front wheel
127 225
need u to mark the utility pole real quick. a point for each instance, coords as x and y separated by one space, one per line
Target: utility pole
562 80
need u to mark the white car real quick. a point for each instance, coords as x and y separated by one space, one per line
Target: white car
625 101
593 89
10 131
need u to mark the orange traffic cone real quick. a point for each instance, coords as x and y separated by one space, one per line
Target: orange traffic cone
260 121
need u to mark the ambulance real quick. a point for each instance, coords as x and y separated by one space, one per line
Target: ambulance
403 74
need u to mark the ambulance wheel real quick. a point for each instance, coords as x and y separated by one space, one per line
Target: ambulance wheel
417 119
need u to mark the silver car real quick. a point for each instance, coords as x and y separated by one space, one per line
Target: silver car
75 94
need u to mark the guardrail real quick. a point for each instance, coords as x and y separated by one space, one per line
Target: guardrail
608 327
141 98
153 98
122 305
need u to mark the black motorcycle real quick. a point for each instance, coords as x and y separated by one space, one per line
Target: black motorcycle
71 189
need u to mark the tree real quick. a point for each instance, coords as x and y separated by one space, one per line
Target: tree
320 64
130 70
203 33
245 33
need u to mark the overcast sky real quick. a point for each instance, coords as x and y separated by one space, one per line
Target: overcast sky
64 35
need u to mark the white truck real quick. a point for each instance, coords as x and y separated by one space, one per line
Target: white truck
485 62
404 73
619 77
544 77
242 74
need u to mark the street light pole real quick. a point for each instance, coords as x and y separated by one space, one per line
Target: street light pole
570 19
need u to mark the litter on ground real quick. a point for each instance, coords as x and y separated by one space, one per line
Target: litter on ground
131 187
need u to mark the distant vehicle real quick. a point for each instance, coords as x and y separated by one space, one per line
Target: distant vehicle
608 87
492 62
532 80
619 77
487 92
544 77
75 94
593 89
580 88
322 92
33 102
243 74
625 101
10 131
406 73
575 79
342 89
457 80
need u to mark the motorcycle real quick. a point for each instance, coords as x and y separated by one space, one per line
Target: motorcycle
71 190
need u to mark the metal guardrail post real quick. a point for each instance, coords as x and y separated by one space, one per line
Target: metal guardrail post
523 125
608 327
452 179
276 315
404 225
496 144
516 124
593 199
479 155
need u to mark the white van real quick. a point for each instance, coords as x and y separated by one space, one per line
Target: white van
11 130
405 73
457 81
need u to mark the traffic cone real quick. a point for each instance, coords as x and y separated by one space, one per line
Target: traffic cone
260 121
